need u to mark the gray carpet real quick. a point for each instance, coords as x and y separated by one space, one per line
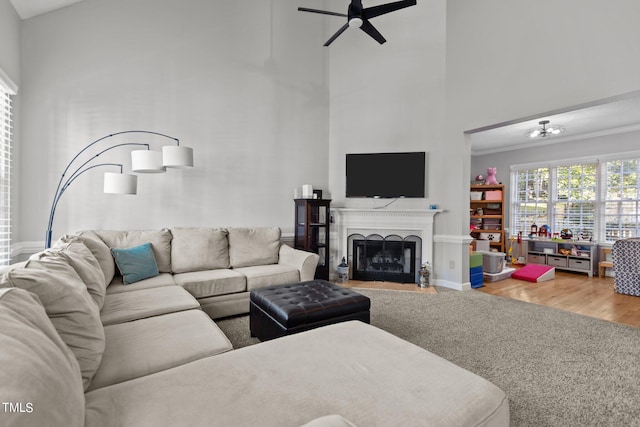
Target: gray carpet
558 368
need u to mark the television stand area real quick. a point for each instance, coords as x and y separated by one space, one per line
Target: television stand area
578 256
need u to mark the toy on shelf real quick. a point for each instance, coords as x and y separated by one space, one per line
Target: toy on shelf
491 177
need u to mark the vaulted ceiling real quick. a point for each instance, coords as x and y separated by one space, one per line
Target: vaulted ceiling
29 8
621 114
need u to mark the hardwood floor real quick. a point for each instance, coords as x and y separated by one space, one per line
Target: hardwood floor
575 292
407 287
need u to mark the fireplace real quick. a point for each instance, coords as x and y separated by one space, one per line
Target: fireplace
405 224
391 258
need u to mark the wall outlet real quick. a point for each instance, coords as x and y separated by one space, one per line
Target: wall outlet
452 264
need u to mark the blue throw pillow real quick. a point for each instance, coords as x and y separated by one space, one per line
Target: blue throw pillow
136 263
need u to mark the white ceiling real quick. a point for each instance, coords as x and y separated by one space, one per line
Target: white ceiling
604 117
29 8
614 115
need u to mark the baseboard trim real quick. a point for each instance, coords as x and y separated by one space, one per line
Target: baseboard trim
453 285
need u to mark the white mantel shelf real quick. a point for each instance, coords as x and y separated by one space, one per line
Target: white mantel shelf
402 222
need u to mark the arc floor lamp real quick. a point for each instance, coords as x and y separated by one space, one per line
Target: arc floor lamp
142 161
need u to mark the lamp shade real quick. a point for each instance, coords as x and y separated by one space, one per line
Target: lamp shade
147 161
176 156
120 183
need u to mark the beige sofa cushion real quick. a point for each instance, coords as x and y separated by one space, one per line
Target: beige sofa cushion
368 376
202 284
262 276
329 421
160 243
36 366
253 246
145 346
198 249
127 306
98 248
80 258
69 306
162 279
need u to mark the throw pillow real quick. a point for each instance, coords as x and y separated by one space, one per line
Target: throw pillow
160 242
136 263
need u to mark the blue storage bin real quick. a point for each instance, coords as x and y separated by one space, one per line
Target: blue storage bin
476 277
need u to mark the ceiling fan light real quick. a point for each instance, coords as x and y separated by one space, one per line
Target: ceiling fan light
355 22
534 133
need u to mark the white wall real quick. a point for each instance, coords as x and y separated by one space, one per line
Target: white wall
389 97
243 83
204 75
511 59
10 64
9 41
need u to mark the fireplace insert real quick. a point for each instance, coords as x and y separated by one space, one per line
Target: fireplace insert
386 259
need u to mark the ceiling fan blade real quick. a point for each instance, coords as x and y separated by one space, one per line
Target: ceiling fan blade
324 12
372 12
371 30
335 36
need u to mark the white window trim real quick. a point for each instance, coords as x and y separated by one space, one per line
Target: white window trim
9 89
601 188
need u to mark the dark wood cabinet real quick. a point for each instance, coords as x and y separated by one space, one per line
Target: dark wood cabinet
312 218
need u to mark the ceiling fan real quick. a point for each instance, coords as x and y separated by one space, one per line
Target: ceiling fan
358 17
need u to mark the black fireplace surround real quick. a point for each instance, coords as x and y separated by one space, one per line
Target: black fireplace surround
389 259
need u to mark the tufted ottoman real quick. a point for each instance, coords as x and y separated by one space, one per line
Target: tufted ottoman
286 309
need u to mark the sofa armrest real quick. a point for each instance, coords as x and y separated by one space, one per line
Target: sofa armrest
305 262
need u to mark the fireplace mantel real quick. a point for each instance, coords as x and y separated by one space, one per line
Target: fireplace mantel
403 222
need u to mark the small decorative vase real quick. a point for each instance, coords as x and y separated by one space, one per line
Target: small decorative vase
343 271
425 276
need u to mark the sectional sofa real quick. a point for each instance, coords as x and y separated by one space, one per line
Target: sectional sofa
78 346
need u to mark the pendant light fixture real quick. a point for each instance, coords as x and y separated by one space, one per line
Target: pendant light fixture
544 131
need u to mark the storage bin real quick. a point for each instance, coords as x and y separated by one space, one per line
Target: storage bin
475 260
491 224
493 237
557 261
476 195
493 195
492 262
536 259
475 277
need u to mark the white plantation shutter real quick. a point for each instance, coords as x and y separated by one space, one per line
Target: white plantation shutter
594 198
622 199
530 199
5 173
575 199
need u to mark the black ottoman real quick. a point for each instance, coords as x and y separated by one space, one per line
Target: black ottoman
287 309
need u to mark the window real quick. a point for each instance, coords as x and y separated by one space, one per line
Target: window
531 202
5 172
597 199
574 201
622 200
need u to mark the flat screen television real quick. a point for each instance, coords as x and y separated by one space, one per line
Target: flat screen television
386 175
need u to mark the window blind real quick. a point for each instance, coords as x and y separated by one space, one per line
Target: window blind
5 175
